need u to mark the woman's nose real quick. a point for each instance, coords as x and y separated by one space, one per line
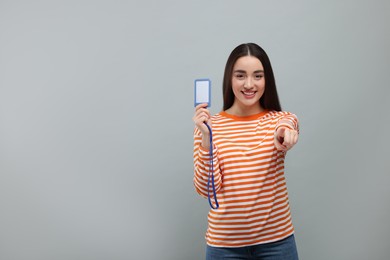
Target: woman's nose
248 83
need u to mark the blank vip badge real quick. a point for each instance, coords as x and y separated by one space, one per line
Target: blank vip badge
202 92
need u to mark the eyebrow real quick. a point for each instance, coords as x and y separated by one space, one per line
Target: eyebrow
243 71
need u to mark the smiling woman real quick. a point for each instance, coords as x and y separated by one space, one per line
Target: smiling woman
251 138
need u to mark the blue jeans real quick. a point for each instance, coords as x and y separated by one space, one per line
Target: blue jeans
284 249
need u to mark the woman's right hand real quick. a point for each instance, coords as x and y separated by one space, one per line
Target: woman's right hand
202 115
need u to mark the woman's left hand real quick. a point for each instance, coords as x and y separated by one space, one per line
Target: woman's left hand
285 138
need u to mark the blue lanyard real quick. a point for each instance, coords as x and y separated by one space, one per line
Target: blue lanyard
211 172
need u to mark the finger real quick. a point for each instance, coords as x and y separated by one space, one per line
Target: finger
198 115
200 118
296 137
202 110
278 137
277 143
281 131
280 147
201 126
201 107
200 122
201 115
287 138
204 116
204 105
291 140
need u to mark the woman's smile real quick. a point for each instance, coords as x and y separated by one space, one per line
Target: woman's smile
249 94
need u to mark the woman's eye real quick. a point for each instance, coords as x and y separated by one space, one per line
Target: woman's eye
259 76
239 76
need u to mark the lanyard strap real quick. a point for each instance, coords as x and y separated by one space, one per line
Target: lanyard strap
211 173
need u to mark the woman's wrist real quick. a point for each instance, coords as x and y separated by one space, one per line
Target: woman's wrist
206 141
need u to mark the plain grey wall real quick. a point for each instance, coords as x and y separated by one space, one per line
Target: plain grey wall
96 101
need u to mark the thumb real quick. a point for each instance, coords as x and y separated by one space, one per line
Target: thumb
281 131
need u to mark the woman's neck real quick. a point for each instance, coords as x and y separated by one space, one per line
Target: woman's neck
244 111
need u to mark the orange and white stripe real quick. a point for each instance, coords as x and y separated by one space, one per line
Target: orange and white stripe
249 179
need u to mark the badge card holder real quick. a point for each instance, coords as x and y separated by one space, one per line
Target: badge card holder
203 95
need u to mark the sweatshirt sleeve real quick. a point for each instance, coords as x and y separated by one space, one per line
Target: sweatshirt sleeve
202 167
288 120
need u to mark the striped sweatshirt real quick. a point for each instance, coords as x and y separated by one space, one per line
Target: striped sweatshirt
249 179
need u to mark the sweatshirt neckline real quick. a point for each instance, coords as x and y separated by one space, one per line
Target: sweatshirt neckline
244 118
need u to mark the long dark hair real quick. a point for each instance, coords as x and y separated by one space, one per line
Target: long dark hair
270 99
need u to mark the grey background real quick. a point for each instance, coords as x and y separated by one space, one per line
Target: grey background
96 101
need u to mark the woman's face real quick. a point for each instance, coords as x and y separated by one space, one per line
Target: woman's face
248 83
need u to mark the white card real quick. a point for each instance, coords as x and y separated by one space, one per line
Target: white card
202 91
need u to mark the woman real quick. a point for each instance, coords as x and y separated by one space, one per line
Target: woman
250 139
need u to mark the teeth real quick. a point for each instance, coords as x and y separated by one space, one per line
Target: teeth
248 93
